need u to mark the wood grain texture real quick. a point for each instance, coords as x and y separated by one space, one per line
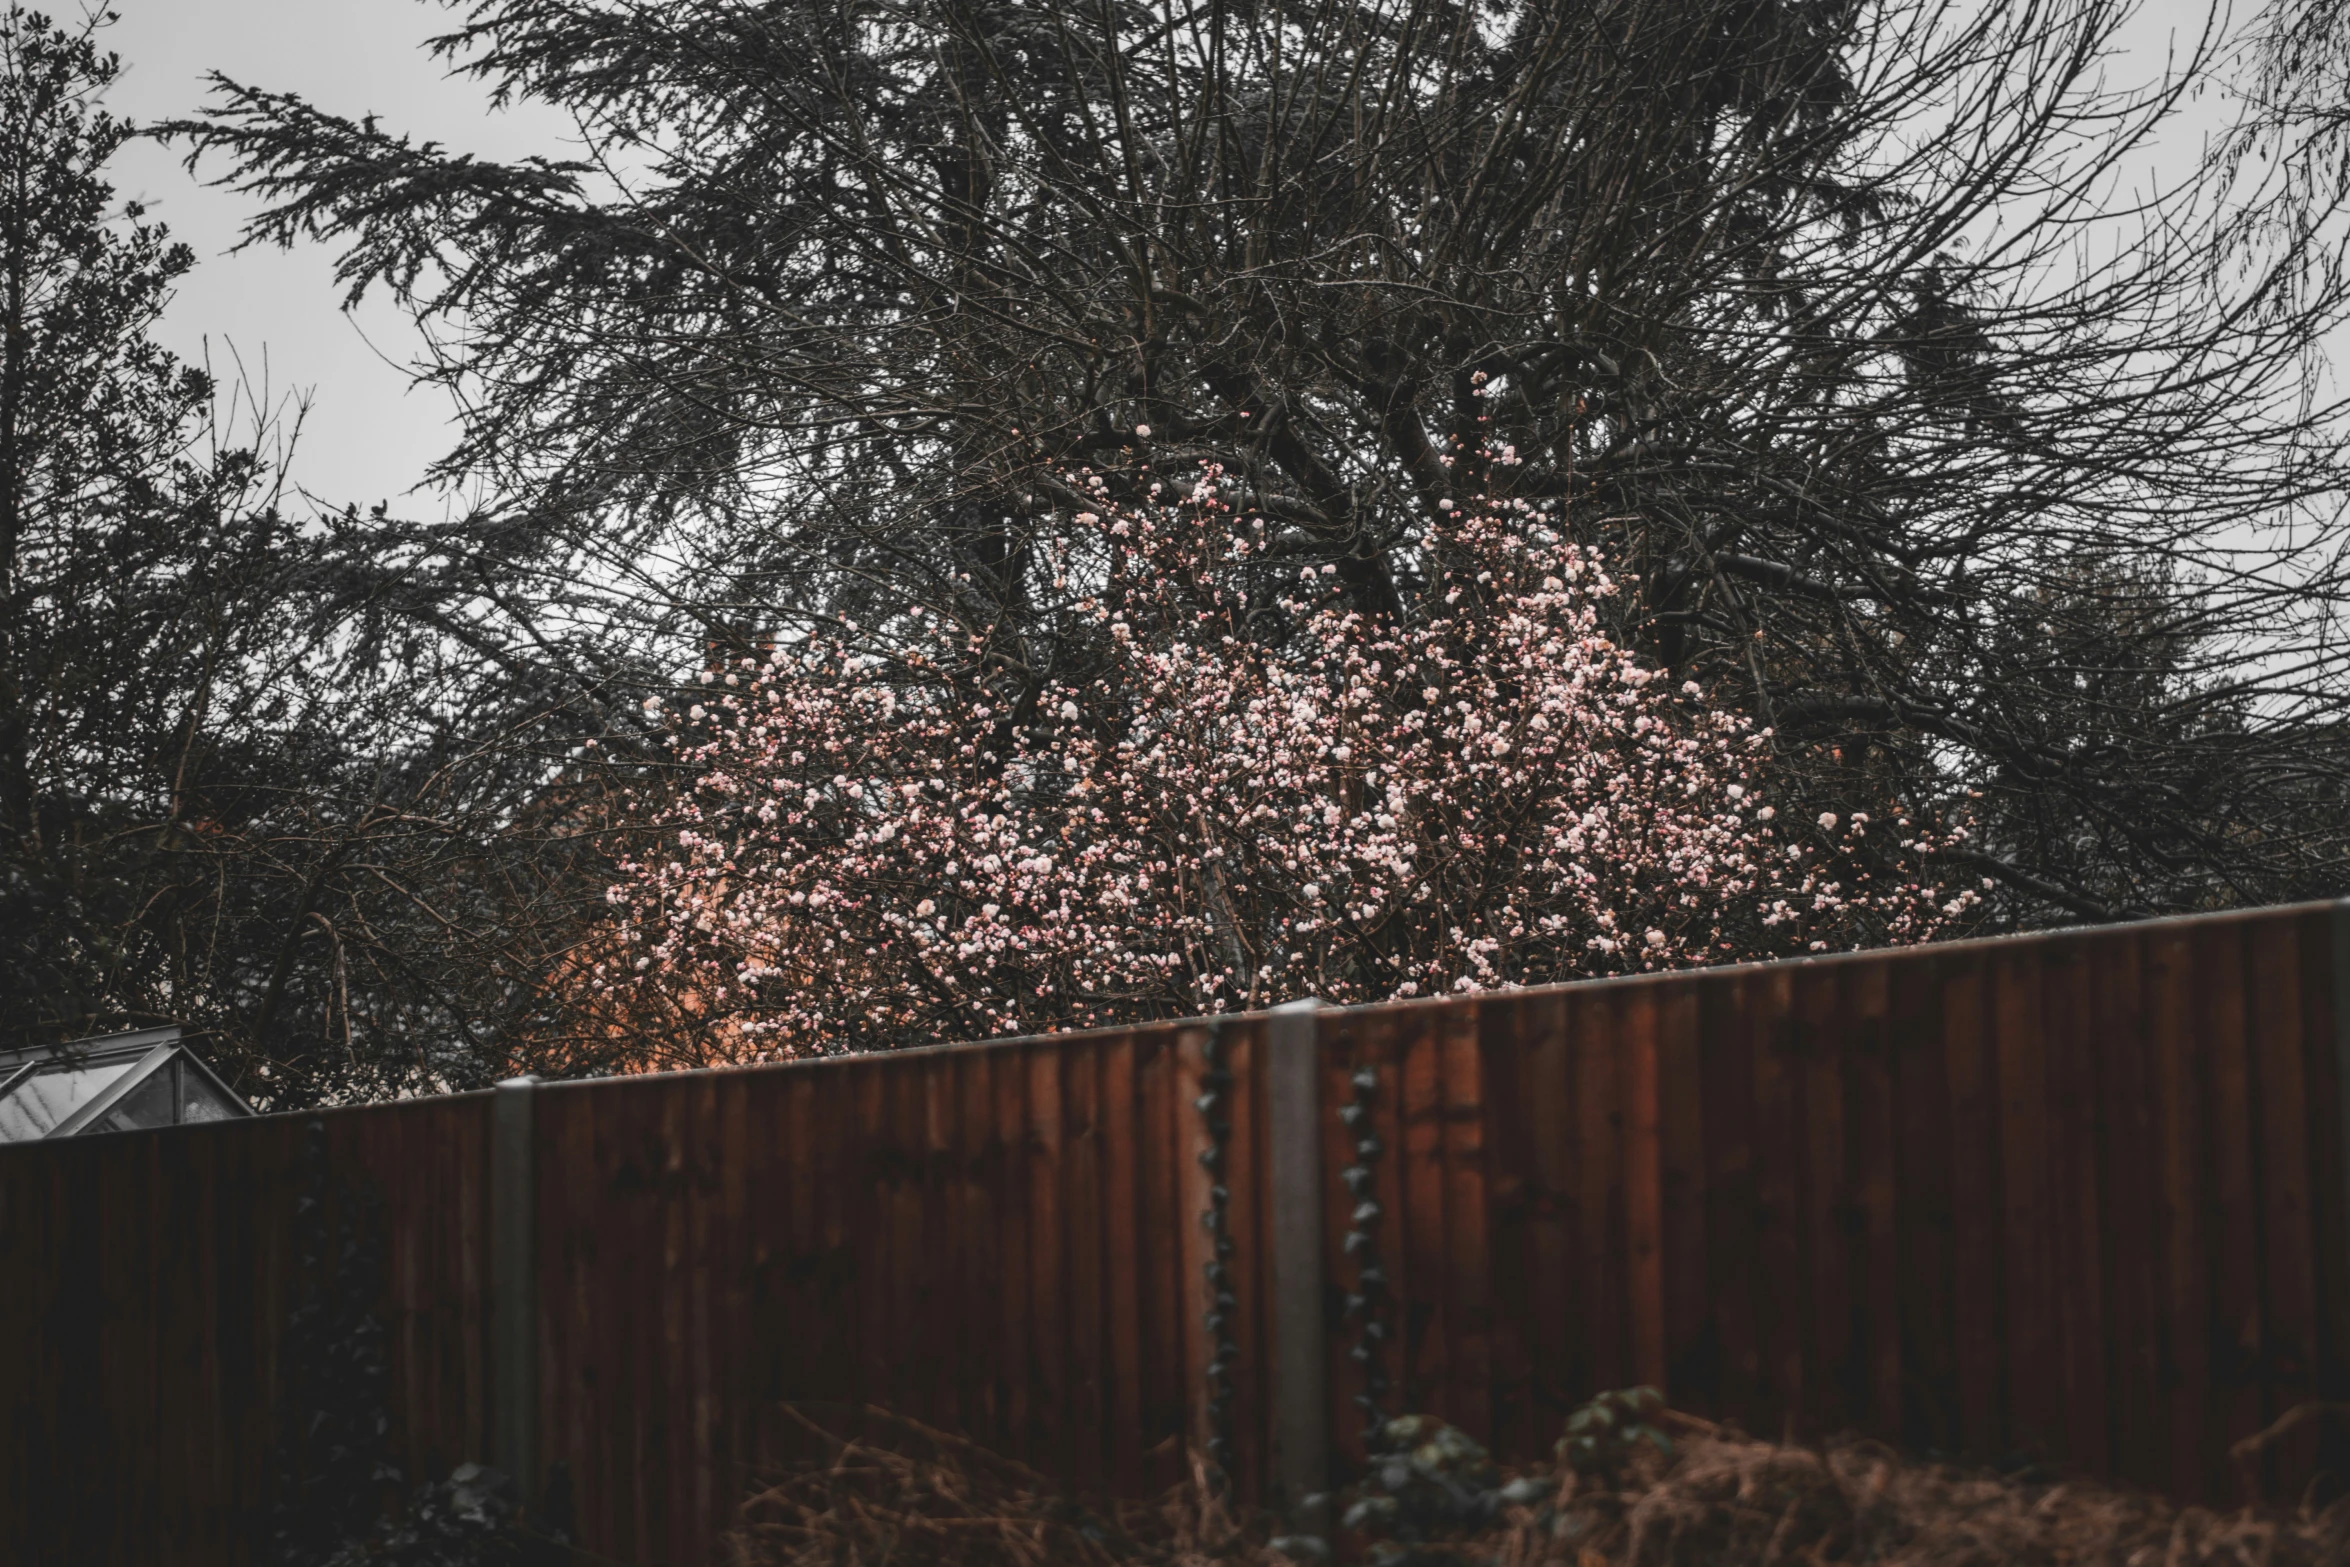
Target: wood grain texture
2132 1200
1732 1208
2281 1147
2077 1196
2324 1034
1467 1258
1689 1356
2239 1403
1251 1265
2182 1157
1507 1044
1633 1025
1596 1124
1925 1238
1385 1045
2035 1369
2078 1240
1876 1196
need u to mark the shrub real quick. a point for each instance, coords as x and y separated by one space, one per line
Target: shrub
883 842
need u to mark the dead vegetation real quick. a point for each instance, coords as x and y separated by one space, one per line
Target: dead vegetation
1722 1500
908 1496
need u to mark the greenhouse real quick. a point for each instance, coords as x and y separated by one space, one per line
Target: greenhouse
116 1083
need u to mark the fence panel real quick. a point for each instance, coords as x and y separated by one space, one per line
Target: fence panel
2074 1197
1001 1242
2078 1197
149 1279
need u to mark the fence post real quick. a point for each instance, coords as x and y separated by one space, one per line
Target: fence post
514 1358
2341 1008
1301 1404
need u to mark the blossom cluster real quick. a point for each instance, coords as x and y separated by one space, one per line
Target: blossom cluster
882 843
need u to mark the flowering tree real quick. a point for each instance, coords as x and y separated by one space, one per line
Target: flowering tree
877 847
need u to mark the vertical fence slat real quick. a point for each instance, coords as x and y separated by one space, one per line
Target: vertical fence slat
1048 1302
1383 1044
743 1255
869 1236
2288 1270
1468 1277
1427 1383
2034 1367
1009 1080
2326 946
1339 1053
1833 1365
703 1159
2077 1116
1509 1033
1978 1288
565 1402
1925 1234
802 1292
1732 1209
1123 1406
2183 1109
1542 1096
1782 1295
1643 1176
2130 1192
1081 1218
1690 1355
2324 941
973 1320
1601 1278
1168 1376
1296 1221
2082 1194
1870 1121
1252 1271
514 1281
1197 1249
2239 1405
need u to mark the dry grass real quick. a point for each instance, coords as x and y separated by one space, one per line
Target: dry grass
1729 1501
908 1496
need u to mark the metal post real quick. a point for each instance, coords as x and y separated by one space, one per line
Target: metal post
1301 1403
514 1350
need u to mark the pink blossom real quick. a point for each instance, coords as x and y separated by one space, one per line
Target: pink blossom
883 852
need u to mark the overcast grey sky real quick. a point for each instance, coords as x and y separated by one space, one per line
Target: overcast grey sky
369 436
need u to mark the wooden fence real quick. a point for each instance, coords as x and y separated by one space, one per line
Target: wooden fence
2078 1196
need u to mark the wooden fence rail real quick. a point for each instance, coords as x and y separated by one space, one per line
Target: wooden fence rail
2078 1196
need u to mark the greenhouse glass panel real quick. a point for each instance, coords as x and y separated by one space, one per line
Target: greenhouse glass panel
149 1104
121 1082
200 1101
50 1096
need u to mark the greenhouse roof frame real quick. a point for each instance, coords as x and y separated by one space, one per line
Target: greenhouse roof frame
116 1082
